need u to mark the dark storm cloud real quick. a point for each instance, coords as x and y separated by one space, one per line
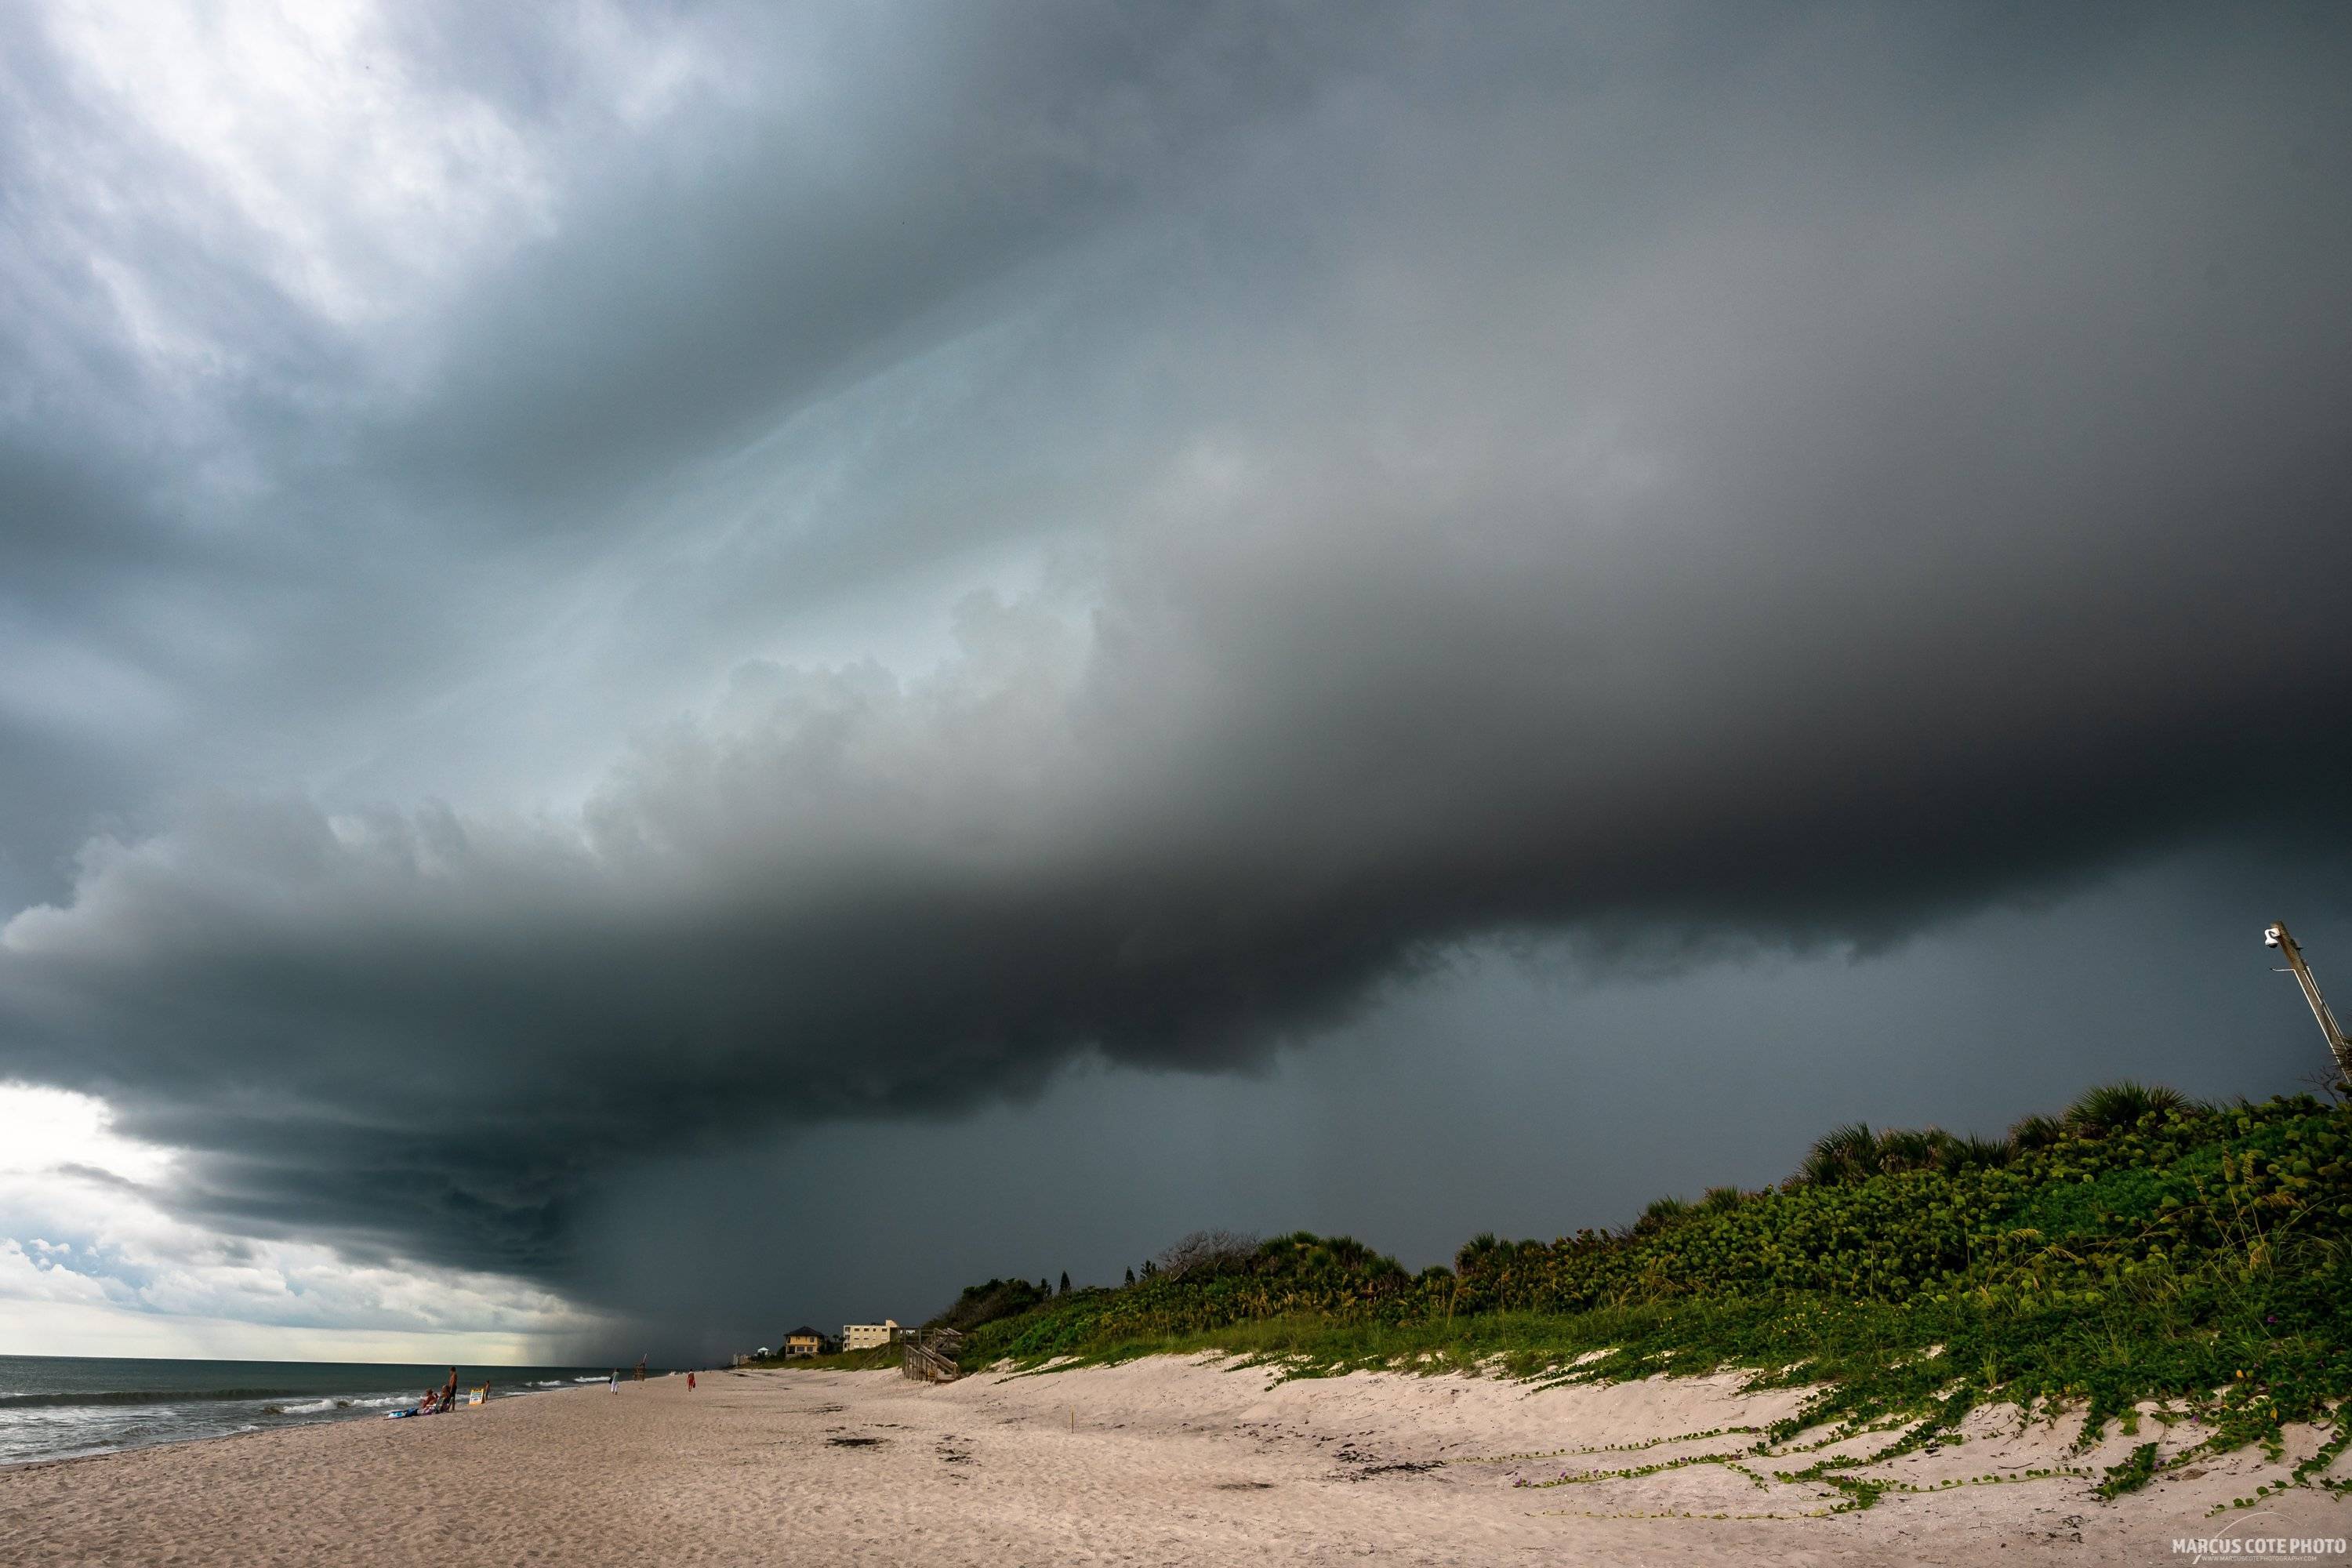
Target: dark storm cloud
1674 479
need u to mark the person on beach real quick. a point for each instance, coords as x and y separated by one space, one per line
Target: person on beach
615 1384
449 1391
689 1382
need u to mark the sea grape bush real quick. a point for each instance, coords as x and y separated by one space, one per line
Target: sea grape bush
2094 1213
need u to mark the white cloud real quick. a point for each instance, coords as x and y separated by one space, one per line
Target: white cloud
33 1271
51 1127
91 1263
302 129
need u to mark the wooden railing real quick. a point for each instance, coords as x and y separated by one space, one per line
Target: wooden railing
929 1354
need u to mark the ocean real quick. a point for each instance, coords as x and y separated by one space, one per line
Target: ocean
59 1406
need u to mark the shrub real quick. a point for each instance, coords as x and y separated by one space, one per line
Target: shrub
2036 1133
1206 1251
1660 1212
1846 1154
986 1303
2119 1107
1974 1154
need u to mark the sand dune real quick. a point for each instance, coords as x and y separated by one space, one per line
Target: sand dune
1159 1461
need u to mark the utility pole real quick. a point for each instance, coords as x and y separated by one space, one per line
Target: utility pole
2276 937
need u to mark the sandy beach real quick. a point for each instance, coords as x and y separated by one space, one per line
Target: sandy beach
1157 1461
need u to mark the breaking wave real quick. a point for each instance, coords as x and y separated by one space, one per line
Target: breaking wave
141 1396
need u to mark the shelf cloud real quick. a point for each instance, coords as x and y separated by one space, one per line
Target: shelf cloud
775 573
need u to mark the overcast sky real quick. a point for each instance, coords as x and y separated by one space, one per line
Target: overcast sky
669 669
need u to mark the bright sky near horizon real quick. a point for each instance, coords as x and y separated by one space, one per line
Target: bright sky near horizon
93 1263
635 636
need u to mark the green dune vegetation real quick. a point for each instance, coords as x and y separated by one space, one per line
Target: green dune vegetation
2141 1248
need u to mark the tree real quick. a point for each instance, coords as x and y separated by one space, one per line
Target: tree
1207 1252
1066 1281
1131 1276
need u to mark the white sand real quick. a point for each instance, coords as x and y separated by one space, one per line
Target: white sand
1159 1461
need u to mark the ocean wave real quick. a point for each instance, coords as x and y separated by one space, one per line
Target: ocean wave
598 1379
380 1401
550 1382
311 1408
141 1396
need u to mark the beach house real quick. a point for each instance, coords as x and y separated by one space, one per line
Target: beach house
865 1336
806 1342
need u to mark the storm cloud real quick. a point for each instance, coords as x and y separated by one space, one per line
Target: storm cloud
752 575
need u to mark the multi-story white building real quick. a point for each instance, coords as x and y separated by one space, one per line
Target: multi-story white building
865 1336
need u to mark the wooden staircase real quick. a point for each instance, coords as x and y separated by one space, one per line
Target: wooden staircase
929 1354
